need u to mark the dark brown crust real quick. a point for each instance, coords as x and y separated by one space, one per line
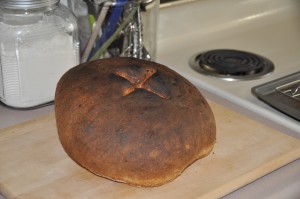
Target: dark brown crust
141 139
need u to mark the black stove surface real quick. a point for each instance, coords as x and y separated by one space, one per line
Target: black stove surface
231 64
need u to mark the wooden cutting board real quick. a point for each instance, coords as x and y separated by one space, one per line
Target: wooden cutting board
33 163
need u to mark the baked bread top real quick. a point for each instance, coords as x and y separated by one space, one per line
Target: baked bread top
132 121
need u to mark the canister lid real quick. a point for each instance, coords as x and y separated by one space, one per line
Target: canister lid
26 4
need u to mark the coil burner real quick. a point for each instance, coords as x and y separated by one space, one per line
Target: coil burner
231 65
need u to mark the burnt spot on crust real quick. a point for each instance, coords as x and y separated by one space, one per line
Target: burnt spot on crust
146 78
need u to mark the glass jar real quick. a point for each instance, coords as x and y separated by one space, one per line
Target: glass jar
38 43
117 28
149 16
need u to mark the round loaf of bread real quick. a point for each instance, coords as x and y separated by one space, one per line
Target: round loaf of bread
132 121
